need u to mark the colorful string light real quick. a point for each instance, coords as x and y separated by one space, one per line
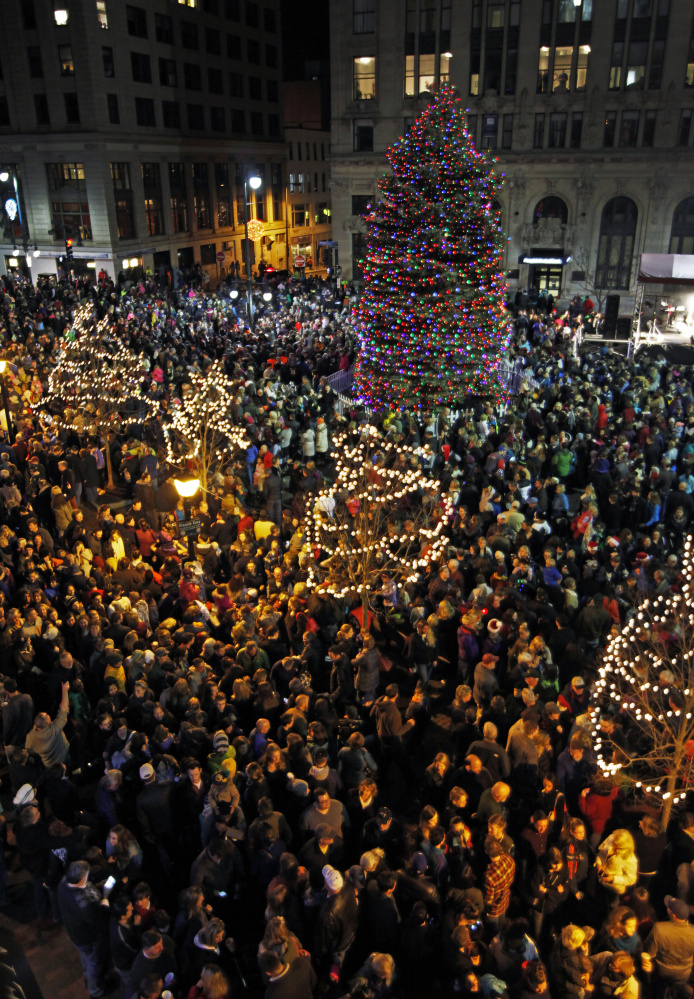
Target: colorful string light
431 318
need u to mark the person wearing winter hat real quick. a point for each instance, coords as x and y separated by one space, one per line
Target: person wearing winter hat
223 756
336 926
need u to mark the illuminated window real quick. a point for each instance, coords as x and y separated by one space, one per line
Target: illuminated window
445 67
427 73
67 65
409 76
61 17
101 15
582 66
636 64
364 78
562 68
543 71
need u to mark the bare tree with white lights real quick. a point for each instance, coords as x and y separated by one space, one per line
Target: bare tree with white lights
97 382
647 673
381 514
201 437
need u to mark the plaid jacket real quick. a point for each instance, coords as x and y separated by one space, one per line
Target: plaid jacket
497 885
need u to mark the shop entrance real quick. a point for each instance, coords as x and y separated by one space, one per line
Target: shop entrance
547 278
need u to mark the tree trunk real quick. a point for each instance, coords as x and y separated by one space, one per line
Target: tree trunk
667 804
110 484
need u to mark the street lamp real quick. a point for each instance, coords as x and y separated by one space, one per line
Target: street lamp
186 489
6 403
255 183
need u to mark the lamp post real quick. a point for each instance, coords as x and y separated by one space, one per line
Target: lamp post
253 182
186 489
6 403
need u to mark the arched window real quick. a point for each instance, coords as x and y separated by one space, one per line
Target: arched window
551 208
616 247
682 232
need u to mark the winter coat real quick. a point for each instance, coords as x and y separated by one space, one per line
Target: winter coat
308 443
367 663
322 440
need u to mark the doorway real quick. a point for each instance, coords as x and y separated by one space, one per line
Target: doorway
547 278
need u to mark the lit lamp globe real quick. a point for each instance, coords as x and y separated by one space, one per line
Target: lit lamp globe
4 176
3 365
267 296
234 293
255 182
187 487
255 229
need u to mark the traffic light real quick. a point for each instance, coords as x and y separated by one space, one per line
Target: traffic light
68 249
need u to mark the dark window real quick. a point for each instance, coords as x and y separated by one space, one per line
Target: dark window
113 109
636 64
167 72
238 121
35 62
256 123
682 231
125 217
151 176
551 208
221 182
233 46
177 177
507 134
490 131
145 115
120 175
684 128
189 35
210 6
472 126
107 59
252 19
232 10
137 21
576 130
67 65
253 51
271 56
277 191
71 218
196 117
539 131
273 125
171 114
269 20
236 84
616 246
363 17
629 128
41 109
179 214
217 119
4 113
192 76
648 136
363 136
655 73
511 70
141 67
556 133
154 216
72 109
255 88
609 129
163 26
213 41
215 81
28 15
273 93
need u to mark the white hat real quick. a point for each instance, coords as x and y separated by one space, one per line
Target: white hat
25 795
332 878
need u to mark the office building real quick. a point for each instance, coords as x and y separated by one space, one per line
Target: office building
130 127
586 104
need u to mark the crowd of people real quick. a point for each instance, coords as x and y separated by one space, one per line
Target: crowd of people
223 782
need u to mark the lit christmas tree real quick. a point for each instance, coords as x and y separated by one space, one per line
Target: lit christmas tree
431 319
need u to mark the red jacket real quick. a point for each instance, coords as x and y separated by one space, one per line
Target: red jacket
597 808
